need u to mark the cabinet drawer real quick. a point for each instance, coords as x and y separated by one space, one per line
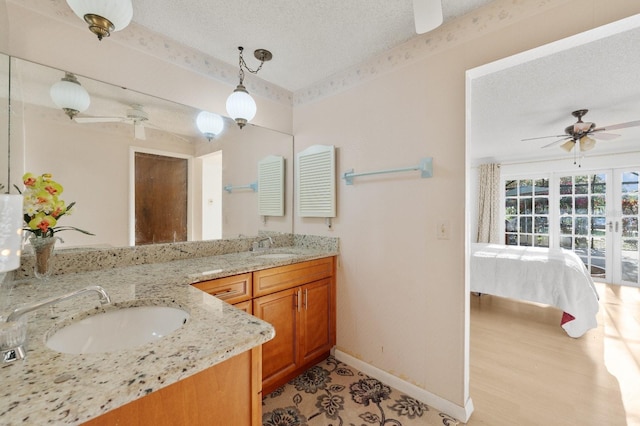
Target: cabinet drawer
230 289
283 277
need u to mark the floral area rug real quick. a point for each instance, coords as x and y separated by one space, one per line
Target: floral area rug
333 394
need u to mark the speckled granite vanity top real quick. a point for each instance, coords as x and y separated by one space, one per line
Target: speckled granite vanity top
55 388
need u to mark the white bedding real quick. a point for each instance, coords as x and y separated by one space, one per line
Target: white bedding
554 277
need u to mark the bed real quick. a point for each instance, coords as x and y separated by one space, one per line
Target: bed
554 277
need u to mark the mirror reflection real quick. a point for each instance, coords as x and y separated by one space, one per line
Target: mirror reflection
4 123
137 166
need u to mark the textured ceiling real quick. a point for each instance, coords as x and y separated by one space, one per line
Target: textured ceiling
310 40
534 93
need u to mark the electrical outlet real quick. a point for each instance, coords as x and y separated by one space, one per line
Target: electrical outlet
443 230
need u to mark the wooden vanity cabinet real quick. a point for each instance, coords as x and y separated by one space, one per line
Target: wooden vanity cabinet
299 301
228 393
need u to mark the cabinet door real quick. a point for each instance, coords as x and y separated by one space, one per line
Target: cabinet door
316 336
246 306
279 355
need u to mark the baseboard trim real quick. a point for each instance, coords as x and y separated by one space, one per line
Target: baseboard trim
444 405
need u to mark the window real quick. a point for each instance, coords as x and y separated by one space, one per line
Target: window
527 212
583 218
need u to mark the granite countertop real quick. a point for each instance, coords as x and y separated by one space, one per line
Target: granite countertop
55 388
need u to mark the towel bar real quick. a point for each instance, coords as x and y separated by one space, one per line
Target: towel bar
253 186
425 167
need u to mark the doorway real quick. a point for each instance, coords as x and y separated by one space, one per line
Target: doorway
161 196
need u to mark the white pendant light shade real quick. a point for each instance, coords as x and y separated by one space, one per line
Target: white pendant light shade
241 106
103 16
69 95
209 124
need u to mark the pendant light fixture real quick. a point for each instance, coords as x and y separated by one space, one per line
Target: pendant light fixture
69 95
103 16
240 105
209 124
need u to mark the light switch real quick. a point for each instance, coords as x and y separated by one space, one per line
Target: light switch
443 230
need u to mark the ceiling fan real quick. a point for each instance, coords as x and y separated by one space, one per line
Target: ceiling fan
583 133
427 15
136 115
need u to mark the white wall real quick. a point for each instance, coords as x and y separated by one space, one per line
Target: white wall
402 300
211 166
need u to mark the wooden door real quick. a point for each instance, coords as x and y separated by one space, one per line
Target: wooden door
316 337
160 198
279 355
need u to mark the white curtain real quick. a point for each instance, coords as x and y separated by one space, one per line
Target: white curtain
489 204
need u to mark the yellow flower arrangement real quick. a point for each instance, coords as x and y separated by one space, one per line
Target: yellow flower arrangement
43 206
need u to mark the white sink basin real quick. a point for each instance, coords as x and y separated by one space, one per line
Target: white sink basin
276 256
119 329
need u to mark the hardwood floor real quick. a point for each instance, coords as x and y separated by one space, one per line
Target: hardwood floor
525 370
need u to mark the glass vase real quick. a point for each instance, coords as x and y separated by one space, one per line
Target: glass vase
43 251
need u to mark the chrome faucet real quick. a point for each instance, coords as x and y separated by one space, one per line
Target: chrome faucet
257 245
18 312
13 333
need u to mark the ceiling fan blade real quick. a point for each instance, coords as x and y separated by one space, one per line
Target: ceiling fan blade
618 126
138 131
604 136
99 119
427 15
543 137
556 142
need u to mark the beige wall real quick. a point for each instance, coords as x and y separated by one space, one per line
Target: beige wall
240 167
402 297
401 291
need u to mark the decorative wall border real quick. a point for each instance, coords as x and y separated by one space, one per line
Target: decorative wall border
490 18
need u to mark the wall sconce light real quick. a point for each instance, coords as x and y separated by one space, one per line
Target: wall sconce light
209 124
240 105
103 16
69 95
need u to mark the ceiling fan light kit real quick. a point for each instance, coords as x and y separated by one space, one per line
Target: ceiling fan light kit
69 95
240 105
584 134
103 16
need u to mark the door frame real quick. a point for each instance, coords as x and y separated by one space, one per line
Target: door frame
132 188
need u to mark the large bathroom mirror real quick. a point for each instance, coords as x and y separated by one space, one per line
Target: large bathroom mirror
100 162
4 123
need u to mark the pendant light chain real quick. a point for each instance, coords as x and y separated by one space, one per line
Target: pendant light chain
240 105
243 65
